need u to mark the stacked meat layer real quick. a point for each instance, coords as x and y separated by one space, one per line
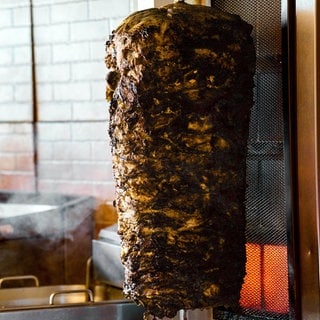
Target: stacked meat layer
180 83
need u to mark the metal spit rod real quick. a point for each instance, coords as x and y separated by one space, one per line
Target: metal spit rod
196 314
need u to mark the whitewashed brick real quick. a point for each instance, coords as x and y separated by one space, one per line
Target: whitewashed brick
87 70
15 74
22 55
6 18
71 52
55 170
6 93
76 91
47 2
89 30
43 54
54 131
101 150
14 36
7 161
97 50
6 56
13 3
51 34
45 150
66 187
6 128
23 93
16 112
69 12
99 92
23 128
93 171
53 73
24 162
105 191
101 9
146 4
62 150
44 93
52 111
16 143
89 111
21 16
81 150
72 150
114 23
88 131
41 15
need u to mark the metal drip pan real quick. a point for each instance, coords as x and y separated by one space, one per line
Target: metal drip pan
106 257
36 295
63 302
44 295
109 310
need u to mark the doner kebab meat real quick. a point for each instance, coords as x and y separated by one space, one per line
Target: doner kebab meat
180 82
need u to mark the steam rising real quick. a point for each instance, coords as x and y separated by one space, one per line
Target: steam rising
38 227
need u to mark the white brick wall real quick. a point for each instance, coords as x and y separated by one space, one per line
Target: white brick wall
22 93
15 112
15 58
51 34
69 12
6 93
21 16
52 73
54 131
16 156
73 144
13 74
70 52
88 31
41 15
101 9
70 37
91 110
72 91
6 56
13 35
22 55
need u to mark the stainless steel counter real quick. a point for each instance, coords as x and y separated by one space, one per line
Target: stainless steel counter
109 310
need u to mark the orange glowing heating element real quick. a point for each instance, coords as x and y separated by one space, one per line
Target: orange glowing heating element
266 284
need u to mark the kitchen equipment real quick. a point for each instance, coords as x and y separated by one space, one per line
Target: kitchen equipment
108 310
41 295
106 257
63 302
49 234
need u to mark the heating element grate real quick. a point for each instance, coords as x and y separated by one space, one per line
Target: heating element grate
265 294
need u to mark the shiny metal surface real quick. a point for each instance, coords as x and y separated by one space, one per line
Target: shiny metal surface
67 302
112 310
307 156
39 296
106 257
8 210
53 296
24 277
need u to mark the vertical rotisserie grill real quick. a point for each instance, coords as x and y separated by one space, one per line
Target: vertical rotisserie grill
180 83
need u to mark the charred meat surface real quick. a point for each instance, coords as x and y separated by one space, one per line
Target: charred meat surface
180 88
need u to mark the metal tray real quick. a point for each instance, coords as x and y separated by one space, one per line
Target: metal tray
62 302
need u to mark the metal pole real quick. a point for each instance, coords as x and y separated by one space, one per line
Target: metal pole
34 101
